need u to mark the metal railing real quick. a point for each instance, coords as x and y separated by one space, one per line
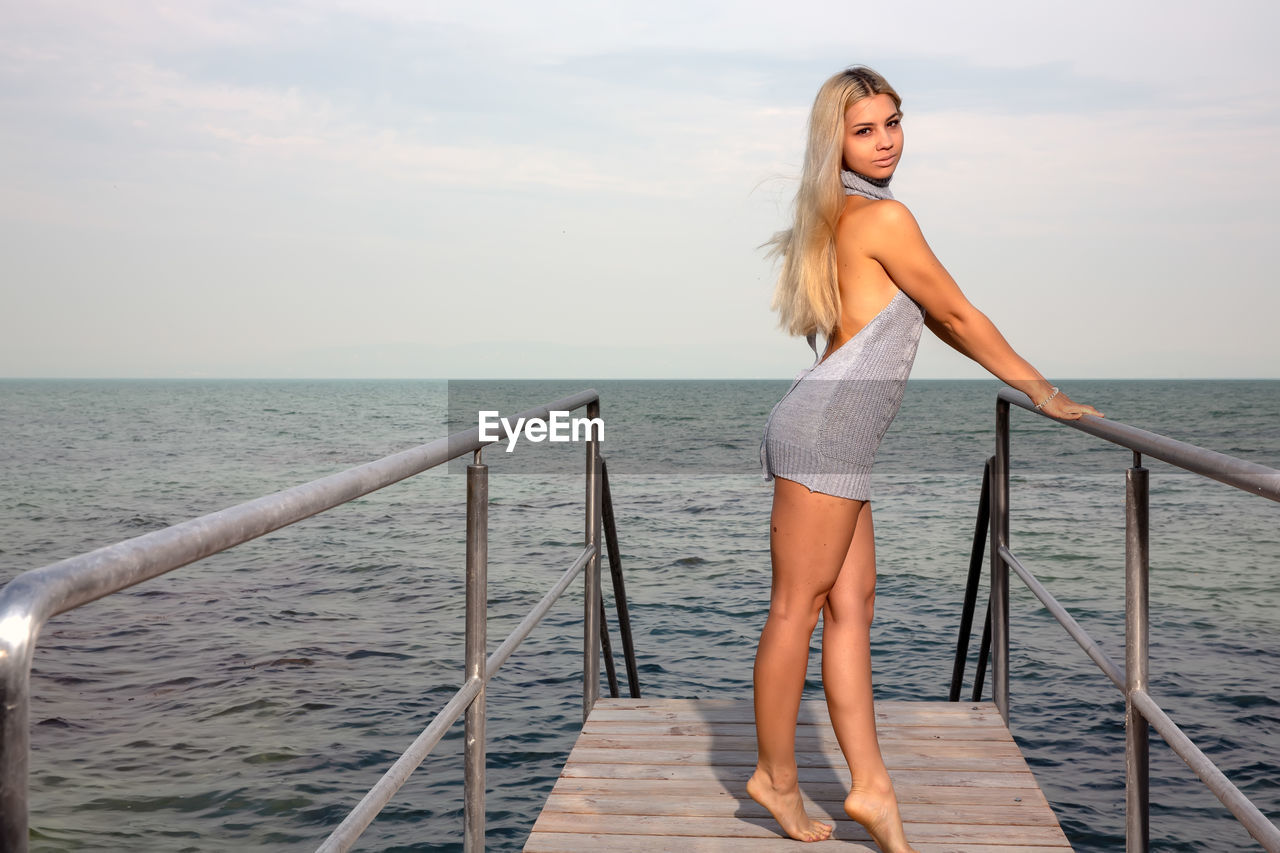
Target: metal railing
29 600
1141 708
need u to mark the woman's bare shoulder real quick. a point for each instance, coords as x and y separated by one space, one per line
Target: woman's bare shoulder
886 213
877 225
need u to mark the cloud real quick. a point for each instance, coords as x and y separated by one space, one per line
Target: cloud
370 169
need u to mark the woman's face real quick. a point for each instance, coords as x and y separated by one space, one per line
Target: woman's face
873 136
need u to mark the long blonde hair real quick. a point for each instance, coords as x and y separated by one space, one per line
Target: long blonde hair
807 297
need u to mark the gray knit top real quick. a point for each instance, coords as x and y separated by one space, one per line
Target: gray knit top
825 431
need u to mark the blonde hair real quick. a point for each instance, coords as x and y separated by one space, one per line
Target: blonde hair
807 297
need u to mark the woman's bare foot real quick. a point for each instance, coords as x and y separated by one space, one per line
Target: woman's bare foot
877 810
787 808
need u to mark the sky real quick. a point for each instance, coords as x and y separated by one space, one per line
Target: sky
374 188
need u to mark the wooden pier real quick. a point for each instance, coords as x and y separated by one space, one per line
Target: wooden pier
670 775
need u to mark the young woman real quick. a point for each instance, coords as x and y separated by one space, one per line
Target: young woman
857 270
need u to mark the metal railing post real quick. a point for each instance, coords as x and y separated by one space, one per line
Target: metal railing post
984 652
999 606
476 652
971 586
606 646
1136 633
591 572
18 629
619 587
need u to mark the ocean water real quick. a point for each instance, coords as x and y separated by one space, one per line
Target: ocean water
248 701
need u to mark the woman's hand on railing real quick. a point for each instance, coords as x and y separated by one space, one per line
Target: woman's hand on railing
1064 408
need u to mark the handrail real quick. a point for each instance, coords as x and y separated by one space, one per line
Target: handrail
29 600
1241 473
346 833
1141 708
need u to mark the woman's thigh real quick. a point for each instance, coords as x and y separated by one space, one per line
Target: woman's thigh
853 594
809 538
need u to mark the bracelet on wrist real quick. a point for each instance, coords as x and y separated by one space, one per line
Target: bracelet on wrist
1047 399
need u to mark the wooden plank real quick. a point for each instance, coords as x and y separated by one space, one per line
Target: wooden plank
767 827
884 730
744 758
970 847
1006 779
685 703
1017 814
928 792
647 775
885 713
827 744
578 842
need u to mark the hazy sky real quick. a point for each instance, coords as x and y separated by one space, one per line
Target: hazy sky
554 189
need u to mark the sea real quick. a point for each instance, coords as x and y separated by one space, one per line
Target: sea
248 701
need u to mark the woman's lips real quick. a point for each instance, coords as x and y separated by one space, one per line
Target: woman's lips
886 160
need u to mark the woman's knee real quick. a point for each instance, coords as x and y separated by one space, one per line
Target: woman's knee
797 613
852 609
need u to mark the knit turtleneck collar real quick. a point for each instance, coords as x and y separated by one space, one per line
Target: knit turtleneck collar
856 183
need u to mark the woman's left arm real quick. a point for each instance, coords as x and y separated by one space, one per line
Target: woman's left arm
894 239
943 334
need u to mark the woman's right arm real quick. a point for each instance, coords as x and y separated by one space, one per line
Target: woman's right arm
893 237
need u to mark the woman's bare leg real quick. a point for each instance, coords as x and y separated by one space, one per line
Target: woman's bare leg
809 538
846 679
